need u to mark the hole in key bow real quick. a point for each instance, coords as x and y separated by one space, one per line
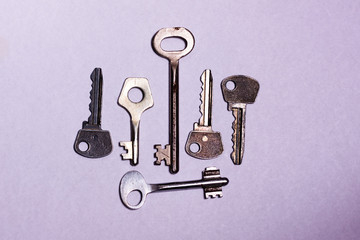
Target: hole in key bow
230 85
194 147
173 44
135 95
134 197
83 146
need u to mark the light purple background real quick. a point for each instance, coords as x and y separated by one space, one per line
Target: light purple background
300 174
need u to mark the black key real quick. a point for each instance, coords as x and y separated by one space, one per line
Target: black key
98 141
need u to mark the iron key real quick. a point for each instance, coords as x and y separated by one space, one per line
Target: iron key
211 183
98 141
171 152
244 92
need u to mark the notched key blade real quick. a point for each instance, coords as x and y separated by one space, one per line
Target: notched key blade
95 97
162 154
206 98
128 147
212 173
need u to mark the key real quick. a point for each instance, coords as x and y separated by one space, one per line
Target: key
98 141
211 183
244 92
170 154
208 142
135 109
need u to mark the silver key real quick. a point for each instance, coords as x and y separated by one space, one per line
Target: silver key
244 92
208 142
135 109
170 154
211 182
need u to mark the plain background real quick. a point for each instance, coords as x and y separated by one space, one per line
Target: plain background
300 174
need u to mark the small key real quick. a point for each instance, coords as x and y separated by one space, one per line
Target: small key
209 142
98 141
135 109
211 182
244 92
171 152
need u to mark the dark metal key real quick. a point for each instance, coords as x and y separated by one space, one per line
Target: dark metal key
171 151
238 91
98 141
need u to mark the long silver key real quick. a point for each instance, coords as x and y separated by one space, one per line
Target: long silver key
135 109
98 141
170 154
211 182
238 91
207 141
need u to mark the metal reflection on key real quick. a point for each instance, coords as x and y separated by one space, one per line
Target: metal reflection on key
170 154
211 183
238 91
135 109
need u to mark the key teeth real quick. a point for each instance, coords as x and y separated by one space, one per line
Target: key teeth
213 195
211 172
234 137
201 107
91 99
162 154
202 93
128 148
91 93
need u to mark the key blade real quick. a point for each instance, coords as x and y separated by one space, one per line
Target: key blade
206 98
238 137
162 154
213 193
213 173
95 97
128 147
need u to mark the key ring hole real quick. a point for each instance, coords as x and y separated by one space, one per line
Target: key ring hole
173 44
135 95
83 146
176 32
134 198
230 85
194 147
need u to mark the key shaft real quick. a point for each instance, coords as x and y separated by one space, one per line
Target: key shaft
206 99
238 135
94 119
189 184
174 113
